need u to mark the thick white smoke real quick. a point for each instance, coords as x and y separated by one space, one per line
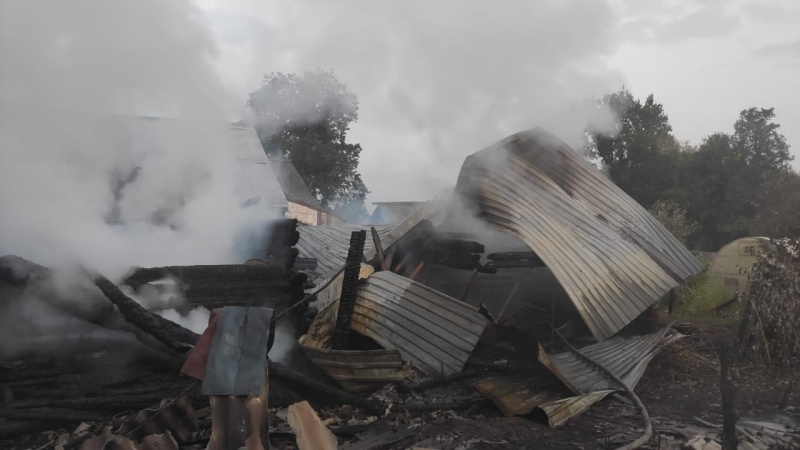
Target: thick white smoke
85 179
436 81
79 183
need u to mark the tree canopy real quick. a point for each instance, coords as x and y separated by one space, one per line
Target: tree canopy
639 154
306 119
730 186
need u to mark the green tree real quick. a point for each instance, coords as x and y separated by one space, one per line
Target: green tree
740 184
708 188
306 119
777 207
674 219
757 139
640 154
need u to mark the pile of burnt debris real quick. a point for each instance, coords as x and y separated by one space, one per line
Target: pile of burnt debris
543 325
131 379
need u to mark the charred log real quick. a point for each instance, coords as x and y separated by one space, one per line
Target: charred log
294 378
167 332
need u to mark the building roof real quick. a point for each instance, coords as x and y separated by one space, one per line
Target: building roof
609 254
294 188
394 212
175 141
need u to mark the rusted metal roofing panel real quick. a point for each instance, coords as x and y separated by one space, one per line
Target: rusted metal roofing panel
560 411
359 371
434 332
520 394
294 187
611 256
625 358
329 245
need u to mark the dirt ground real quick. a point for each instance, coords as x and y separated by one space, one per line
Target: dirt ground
680 390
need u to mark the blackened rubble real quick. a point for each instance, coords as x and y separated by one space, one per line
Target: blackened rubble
451 338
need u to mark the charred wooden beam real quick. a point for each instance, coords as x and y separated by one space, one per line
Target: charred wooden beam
514 256
376 240
511 264
230 273
467 261
347 301
277 370
166 331
102 313
459 246
281 234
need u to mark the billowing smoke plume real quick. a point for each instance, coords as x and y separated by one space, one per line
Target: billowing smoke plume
85 179
79 183
436 81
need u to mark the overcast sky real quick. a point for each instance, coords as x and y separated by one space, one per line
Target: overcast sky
436 80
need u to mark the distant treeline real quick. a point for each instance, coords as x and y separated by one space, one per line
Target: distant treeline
729 186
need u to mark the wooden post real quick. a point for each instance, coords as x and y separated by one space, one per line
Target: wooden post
729 417
376 240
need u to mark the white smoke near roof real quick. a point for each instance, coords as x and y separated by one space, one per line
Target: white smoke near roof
81 183
436 81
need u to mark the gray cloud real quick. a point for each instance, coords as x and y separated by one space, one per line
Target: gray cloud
707 22
781 49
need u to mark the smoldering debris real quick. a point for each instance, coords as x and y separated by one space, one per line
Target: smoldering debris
432 324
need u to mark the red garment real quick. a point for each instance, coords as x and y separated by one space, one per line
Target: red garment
195 365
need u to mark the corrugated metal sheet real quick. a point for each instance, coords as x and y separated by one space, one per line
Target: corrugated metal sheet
360 371
520 394
394 212
611 256
560 411
625 358
237 360
294 187
432 331
329 245
427 212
